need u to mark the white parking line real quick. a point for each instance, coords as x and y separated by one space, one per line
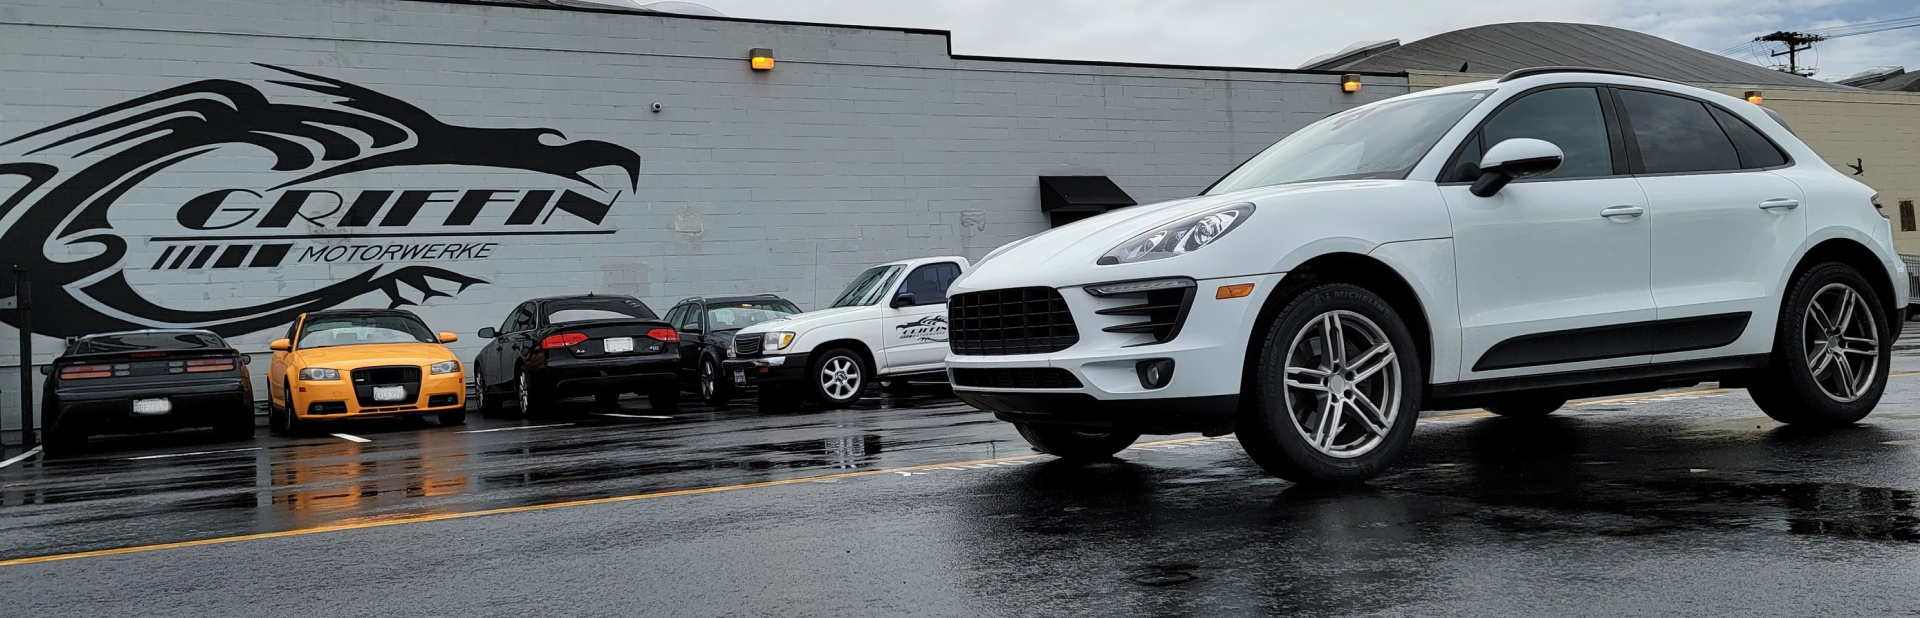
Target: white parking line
231 450
517 428
21 457
629 415
350 437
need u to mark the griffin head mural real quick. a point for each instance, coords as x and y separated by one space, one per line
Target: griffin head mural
68 177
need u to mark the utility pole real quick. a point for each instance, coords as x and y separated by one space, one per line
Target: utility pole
1796 42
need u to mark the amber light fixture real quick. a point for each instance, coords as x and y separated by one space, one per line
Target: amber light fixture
762 58
1233 291
1753 96
1350 83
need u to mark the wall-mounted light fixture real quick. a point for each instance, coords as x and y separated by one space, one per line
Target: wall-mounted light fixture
1350 83
762 58
1753 96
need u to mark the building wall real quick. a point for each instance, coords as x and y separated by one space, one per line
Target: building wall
1878 131
282 116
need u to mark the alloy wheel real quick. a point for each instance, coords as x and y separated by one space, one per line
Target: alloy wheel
1342 384
706 380
524 390
1842 342
840 378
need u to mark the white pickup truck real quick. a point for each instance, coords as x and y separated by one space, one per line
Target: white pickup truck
890 322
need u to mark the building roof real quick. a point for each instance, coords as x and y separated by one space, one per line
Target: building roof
1904 82
1499 48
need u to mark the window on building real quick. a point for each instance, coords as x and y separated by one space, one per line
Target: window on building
1677 135
1906 216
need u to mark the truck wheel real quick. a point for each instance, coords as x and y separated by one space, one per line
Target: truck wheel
1335 388
1526 407
1830 353
713 389
838 377
1076 444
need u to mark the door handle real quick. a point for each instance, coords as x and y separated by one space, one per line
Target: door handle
1780 203
1622 211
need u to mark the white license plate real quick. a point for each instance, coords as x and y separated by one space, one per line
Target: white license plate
616 345
740 377
152 406
389 393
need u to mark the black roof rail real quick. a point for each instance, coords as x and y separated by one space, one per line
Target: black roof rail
1532 71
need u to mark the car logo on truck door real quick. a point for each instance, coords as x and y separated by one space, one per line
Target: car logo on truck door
931 328
331 197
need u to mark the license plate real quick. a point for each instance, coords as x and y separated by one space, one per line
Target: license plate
152 406
616 345
739 377
389 393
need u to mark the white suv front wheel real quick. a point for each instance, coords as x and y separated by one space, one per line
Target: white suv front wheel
1336 388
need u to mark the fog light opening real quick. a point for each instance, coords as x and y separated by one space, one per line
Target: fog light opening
1154 373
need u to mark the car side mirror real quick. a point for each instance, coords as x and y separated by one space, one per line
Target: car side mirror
46 370
905 299
488 333
1514 159
446 337
692 330
280 345
246 359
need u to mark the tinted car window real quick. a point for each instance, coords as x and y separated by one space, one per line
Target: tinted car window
1566 117
522 319
331 331
928 284
1676 134
589 309
1754 149
1382 140
738 315
133 342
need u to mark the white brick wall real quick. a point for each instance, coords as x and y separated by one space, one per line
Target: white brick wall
861 146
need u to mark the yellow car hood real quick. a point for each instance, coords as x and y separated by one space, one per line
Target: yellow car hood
372 354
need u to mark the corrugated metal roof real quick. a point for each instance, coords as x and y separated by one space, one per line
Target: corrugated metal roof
1904 82
1499 48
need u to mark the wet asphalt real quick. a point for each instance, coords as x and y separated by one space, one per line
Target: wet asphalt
1681 502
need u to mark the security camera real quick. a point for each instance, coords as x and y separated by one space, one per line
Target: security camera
656 107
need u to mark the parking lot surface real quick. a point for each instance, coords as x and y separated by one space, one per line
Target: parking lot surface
1685 501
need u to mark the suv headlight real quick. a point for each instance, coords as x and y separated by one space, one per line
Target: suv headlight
317 374
444 367
777 341
1180 237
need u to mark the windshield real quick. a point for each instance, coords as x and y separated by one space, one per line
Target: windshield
1384 140
327 332
867 288
735 316
590 309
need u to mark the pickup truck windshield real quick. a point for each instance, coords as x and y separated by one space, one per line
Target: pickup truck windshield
1383 140
869 287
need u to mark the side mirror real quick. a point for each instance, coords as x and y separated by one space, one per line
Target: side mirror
488 333
46 370
280 345
905 299
246 359
692 330
446 337
1515 159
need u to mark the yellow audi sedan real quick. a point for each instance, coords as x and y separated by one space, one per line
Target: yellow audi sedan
363 363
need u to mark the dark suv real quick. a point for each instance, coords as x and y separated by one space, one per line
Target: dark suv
707 326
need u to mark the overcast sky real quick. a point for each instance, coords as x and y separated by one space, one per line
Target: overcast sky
1285 33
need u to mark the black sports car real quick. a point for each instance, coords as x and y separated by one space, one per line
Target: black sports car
143 381
707 326
599 345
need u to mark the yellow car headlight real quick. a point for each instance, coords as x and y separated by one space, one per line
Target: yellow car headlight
444 367
319 374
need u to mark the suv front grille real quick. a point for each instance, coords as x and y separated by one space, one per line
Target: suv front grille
1016 377
1015 321
748 345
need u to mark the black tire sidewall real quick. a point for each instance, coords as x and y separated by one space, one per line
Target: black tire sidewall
1266 430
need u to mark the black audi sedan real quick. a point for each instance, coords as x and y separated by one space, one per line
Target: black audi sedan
145 381
566 346
707 326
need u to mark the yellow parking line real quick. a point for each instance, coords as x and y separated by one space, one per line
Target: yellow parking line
521 509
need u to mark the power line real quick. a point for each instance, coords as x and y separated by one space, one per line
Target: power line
1796 43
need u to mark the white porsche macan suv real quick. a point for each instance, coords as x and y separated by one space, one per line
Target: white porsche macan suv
1559 233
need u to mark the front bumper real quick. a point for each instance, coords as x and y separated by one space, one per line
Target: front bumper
1209 354
337 399
110 410
745 372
